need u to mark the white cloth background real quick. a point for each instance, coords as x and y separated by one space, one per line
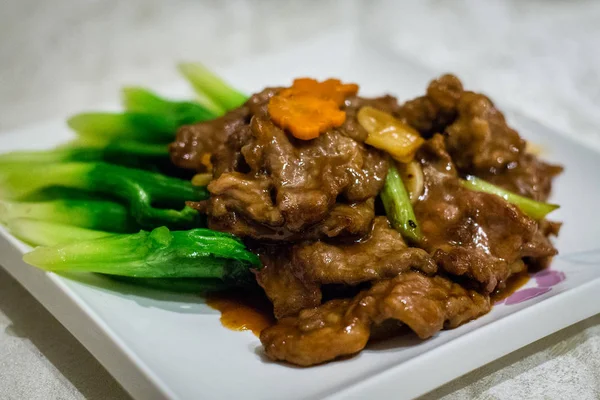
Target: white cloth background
59 57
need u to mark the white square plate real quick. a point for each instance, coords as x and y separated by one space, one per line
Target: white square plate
161 345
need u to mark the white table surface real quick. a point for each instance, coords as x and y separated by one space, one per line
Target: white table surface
59 57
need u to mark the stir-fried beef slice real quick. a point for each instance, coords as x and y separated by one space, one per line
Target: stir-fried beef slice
436 110
288 292
381 255
479 139
481 143
342 327
470 233
426 304
343 220
529 176
269 185
194 144
337 328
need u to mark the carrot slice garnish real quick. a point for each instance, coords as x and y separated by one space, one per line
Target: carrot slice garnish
309 108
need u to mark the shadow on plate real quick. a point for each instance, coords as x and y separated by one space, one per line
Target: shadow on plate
185 303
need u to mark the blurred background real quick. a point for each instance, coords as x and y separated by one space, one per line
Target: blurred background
63 56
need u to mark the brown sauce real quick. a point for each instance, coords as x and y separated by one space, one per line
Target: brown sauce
513 284
242 310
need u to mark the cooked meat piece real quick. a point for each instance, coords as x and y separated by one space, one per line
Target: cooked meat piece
426 304
528 176
195 144
292 276
288 293
381 255
433 112
337 328
343 220
469 233
480 139
269 185
342 327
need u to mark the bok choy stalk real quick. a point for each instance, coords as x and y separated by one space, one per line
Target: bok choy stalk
214 93
534 209
140 100
197 253
148 128
102 215
43 233
141 190
117 152
398 207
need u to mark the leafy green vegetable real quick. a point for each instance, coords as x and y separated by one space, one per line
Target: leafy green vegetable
142 190
183 112
118 152
398 207
102 215
535 209
214 93
43 233
198 253
153 128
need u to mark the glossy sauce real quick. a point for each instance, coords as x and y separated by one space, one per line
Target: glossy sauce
513 284
242 311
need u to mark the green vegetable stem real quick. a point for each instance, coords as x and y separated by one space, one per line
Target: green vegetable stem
122 152
197 253
398 207
102 215
141 190
534 209
214 93
140 100
43 233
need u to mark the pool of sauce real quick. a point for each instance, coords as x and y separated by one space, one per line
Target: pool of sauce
243 310
252 311
513 284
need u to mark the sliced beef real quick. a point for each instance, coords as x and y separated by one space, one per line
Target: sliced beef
383 254
342 327
292 276
436 110
528 176
270 185
288 293
472 234
480 139
195 144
